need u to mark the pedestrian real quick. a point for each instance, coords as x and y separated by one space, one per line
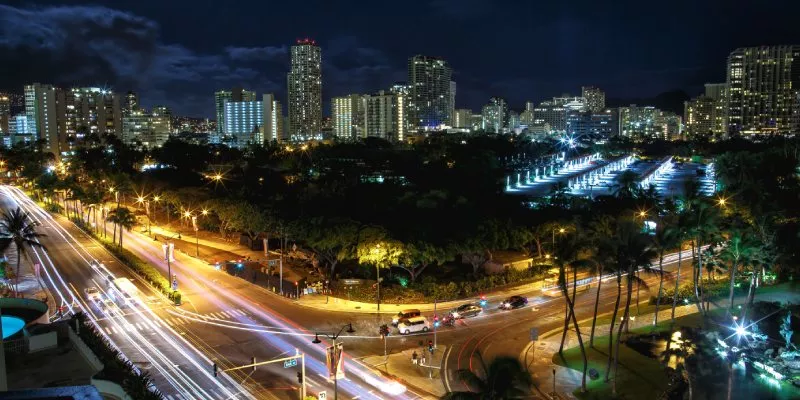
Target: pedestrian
422 362
414 360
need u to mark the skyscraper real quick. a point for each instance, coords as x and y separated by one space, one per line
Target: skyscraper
40 110
87 110
429 81
463 118
5 113
220 98
451 111
348 116
763 85
304 82
595 98
380 115
495 115
272 129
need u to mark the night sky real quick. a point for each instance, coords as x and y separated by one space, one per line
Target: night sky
178 52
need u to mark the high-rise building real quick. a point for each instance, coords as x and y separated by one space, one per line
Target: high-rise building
131 103
145 129
452 110
429 81
641 123
595 98
494 115
87 110
348 116
304 82
405 122
40 112
513 120
220 98
705 115
716 91
244 122
476 122
273 119
161 118
381 115
600 124
5 113
463 118
763 90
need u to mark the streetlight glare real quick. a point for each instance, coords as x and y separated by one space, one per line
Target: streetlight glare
205 212
561 230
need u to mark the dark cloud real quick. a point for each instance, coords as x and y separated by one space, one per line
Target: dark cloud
101 46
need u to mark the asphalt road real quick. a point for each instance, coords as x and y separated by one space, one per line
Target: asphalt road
227 321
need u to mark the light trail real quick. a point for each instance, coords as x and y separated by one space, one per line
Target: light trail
274 338
175 376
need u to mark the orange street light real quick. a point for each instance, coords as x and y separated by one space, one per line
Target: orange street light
205 212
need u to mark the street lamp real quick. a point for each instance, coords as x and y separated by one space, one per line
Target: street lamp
334 358
196 236
376 252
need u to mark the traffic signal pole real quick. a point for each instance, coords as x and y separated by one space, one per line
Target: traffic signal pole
254 364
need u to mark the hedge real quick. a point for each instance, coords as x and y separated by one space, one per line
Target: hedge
139 266
713 289
116 368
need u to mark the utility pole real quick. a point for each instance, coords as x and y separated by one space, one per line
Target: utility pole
434 325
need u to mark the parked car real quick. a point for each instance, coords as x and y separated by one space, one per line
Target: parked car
513 302
413 325
405 314
466 311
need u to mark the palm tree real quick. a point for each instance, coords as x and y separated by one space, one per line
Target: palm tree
739 249
505 378
679 231
634 251
18 226
600 230
124 218
664 239
568 252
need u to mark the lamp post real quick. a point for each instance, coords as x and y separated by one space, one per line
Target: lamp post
334 359
196 237
376 251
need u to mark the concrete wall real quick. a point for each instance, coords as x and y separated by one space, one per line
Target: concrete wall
87 353
110 390
41 342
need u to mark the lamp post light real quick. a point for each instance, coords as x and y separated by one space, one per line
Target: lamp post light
196 237
334 359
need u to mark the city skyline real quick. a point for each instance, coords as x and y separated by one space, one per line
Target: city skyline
131 46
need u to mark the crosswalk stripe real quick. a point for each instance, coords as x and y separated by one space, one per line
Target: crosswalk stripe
130 327
114 328
225 314
151 324
108 330
169 397
241 313
218 316
140 326
211 315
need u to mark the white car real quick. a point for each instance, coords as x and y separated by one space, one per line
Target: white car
413 325
93 294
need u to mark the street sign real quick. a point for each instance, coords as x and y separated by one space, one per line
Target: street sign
290 363
322 395
534 334
272 263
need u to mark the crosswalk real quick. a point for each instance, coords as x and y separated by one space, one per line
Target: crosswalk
147 324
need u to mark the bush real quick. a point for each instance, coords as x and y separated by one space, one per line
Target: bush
716 289
116 368
140 267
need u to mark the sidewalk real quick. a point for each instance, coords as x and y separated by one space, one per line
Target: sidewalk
421 379
538 356
330 303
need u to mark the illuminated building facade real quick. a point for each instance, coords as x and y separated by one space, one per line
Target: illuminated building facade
304 82
429 79
763 89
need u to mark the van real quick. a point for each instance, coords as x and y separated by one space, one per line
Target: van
405 314
413 325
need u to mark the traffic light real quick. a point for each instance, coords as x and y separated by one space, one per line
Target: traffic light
483 300
384 330
215 369
430 346
436 321
300 377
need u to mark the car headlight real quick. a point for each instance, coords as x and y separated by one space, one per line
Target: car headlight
456 315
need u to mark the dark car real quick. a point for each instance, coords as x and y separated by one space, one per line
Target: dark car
466 310
514 302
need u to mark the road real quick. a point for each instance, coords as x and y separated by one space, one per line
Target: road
137 331
227 321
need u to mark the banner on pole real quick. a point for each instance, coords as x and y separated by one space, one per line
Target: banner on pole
335 356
